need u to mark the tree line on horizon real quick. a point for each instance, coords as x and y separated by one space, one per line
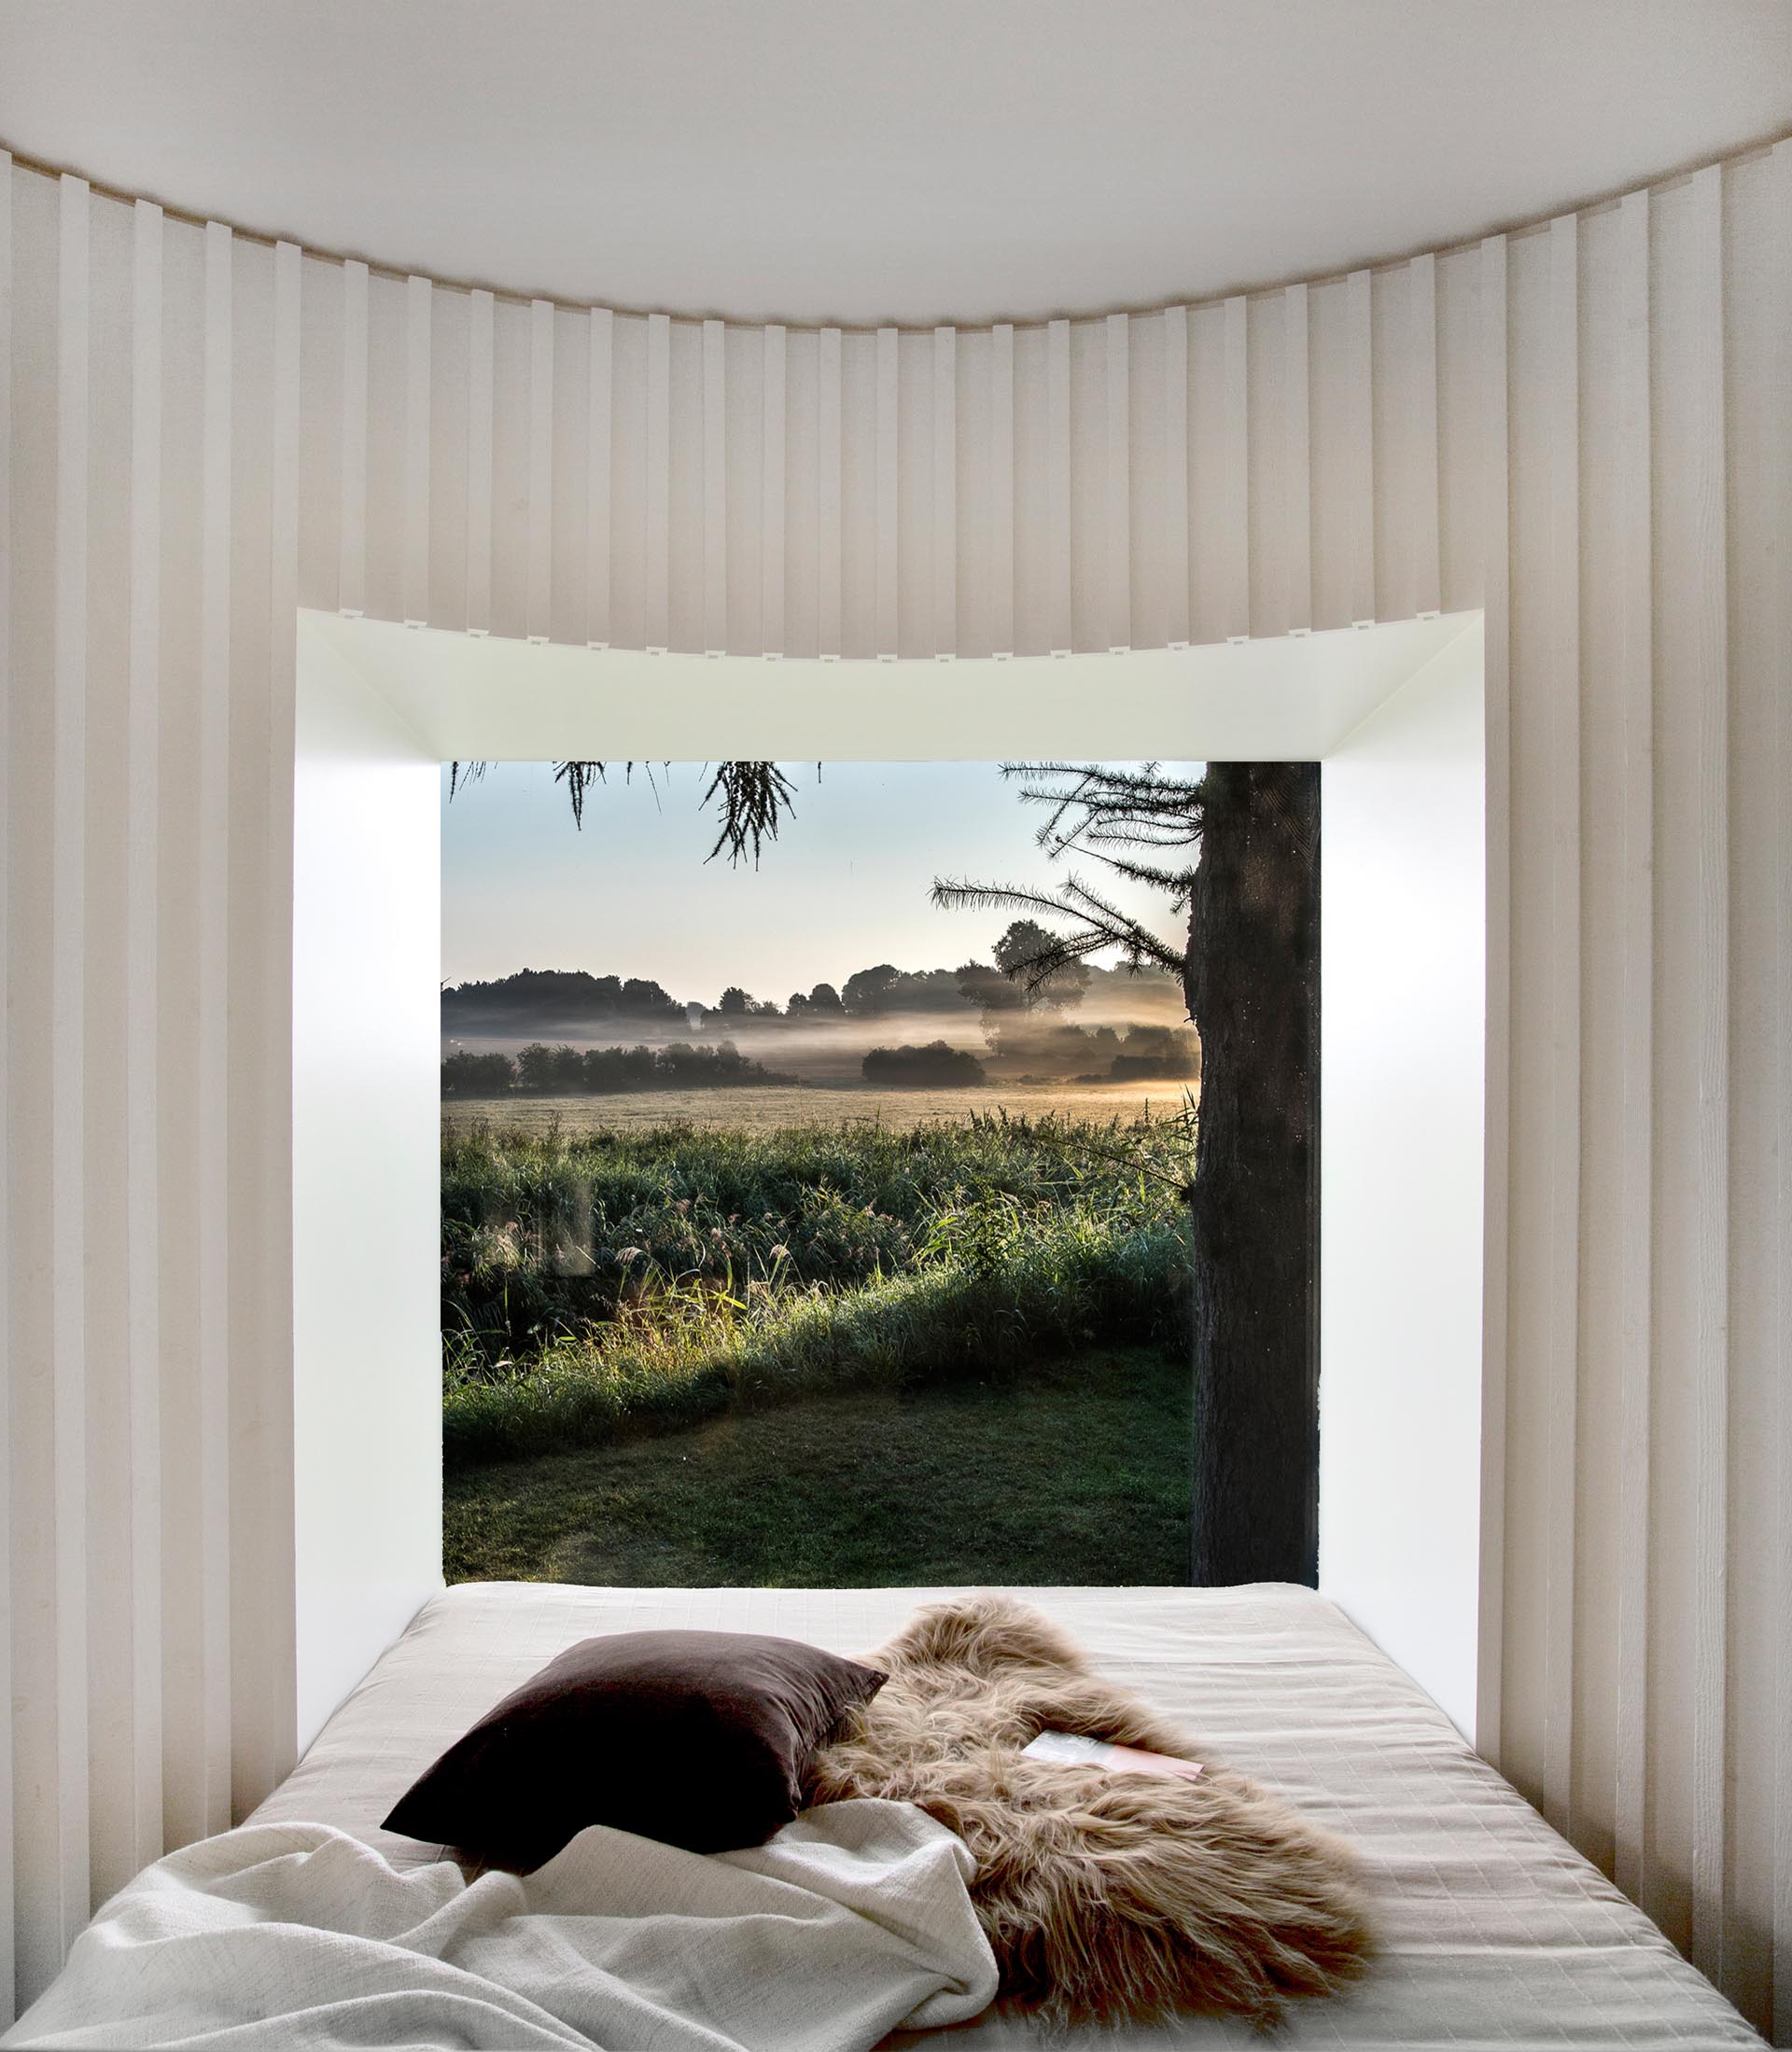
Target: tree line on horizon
1061 1052
1054 1054
539 1070
1004 985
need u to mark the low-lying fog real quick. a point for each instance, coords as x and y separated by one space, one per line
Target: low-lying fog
1146 1025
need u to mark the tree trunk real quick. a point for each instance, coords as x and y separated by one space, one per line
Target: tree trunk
1253 987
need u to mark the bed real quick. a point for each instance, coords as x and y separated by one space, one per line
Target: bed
1494 1931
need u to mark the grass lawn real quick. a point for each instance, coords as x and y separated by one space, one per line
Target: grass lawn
1070 1471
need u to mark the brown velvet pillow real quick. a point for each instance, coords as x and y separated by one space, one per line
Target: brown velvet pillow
698 1738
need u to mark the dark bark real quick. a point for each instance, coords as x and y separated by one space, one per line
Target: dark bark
1252 986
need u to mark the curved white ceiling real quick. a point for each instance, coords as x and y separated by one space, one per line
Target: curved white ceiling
868 161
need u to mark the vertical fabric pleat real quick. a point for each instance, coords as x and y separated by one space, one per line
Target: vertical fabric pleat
597 468
1631 748
1704 544
657 500
142 1011
1061 578
269 1744
415 500
1359 491
1492 404
1236 470
1118 538
773 512
1771 622
945 492
1562 752
888 428
1175 468
352 578
478 465
1298 460
541 469
66 1451
715 489
830 540
1422 418
8 1900
1002 492
210 1449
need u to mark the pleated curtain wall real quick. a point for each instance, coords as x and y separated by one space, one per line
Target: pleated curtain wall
1582 428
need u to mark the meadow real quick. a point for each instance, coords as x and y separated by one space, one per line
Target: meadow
653 1332
763 1107
1076 1471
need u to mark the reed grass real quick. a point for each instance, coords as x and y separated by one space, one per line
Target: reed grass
602 1286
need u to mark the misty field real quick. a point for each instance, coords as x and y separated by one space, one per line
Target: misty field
763 1106
625 1300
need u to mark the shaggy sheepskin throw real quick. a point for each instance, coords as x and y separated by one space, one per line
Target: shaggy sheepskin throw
1104 1894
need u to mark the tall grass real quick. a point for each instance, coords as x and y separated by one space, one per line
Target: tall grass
601 1284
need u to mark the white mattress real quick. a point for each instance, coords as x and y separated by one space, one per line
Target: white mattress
1494 1931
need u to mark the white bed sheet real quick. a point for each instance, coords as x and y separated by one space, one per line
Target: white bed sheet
1494 1931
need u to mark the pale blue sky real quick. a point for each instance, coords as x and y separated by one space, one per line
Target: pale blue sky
845 887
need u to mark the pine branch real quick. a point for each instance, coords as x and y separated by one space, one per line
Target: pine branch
1090 807
1100 924
755 797
578 777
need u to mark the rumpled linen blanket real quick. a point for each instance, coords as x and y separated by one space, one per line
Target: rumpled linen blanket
852 1921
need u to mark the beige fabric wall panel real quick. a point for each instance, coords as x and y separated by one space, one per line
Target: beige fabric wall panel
7 1758
1581 427
605 478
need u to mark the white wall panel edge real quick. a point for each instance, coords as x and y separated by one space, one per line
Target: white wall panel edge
367 915
7 1900
1402 915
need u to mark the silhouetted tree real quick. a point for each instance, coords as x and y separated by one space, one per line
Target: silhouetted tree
933 1066
735 1003
825 999
465 1075
983 984
1250 972
867 990
1028 957
641 994
550 1071
1155 1054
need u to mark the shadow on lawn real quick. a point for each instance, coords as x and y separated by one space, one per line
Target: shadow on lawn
1075 1471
